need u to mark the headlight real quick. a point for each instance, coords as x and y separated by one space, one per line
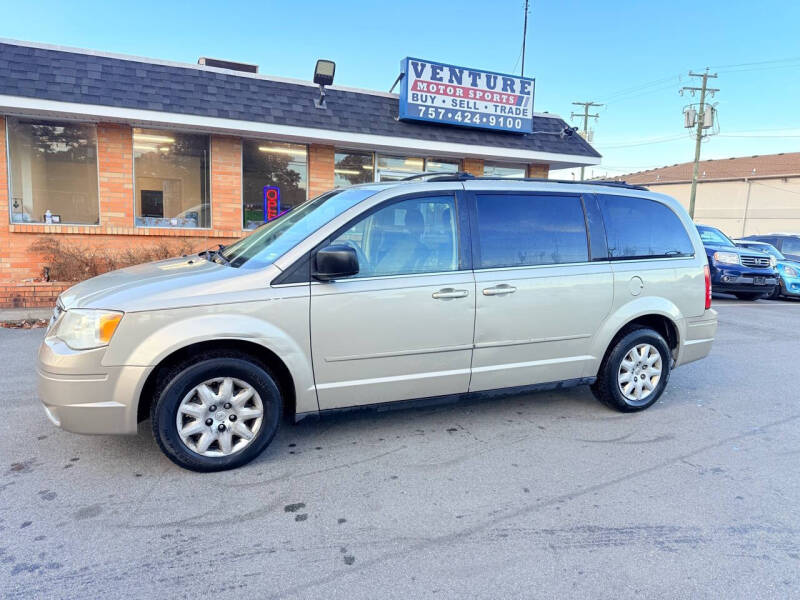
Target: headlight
726 258
773 262
83 329
790 271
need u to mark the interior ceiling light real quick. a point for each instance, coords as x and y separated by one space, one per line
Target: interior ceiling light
347 172
149 137
279 150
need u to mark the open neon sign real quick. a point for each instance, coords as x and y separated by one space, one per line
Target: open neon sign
272 202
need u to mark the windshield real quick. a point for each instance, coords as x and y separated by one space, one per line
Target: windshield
711 235
766 248
272 240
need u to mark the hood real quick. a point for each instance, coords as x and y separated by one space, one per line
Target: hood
719 248
171 283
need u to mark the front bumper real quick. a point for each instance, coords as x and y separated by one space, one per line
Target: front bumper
734 280
790 286
81 395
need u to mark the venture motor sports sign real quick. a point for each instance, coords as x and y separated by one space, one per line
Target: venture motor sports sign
469 97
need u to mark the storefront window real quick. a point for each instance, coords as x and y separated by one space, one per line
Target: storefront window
53 172
506 171
435 165
353 167
171 179
274 179
393 168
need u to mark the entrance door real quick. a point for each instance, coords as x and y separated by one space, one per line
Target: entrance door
402 328
540 300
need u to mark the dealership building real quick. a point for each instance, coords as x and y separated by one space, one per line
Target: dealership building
111 152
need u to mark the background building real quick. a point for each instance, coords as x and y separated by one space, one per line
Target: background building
741 196
116 152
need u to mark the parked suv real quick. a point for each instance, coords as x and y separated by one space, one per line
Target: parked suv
381 293
747 274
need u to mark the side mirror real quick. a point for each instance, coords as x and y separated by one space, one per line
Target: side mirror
335 262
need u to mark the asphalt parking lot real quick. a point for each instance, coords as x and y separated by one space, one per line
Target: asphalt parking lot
543 495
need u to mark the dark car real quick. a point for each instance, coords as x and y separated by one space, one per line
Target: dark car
787 243
748 275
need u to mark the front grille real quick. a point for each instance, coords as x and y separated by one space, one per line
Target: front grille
757 262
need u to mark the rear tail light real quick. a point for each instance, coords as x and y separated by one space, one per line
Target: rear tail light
707 273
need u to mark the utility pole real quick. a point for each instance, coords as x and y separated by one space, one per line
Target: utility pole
586 106
701 124
524 37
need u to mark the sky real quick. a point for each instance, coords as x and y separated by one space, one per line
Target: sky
632 56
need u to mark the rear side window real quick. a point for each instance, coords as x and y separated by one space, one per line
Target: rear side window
517 230
641 228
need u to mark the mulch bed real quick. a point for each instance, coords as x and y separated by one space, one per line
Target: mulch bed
24 324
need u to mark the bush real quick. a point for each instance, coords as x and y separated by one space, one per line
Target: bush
70 262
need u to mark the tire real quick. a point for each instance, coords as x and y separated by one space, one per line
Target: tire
776 293
197 387
749 295
608 389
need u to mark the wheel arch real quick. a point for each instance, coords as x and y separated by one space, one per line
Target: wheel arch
258 353
657 314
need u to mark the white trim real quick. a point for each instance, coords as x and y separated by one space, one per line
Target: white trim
181 65
289 133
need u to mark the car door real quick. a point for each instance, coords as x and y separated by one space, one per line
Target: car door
402 328
539 297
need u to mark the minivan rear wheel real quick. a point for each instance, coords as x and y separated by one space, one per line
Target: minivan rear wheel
216 414
634 372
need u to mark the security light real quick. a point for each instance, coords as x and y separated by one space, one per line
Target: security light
323 75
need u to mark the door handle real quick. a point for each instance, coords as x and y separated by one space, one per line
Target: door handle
445 293
499 290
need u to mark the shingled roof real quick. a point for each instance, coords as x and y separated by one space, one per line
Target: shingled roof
85 77
766 165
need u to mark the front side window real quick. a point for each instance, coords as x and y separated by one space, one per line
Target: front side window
171 179
274 179
351 168
517 230
272 240
642 228
504 171
418 235
53 172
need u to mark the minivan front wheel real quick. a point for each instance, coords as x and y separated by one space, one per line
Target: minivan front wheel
216 414
634 372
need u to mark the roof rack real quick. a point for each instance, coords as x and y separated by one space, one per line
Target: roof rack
462 176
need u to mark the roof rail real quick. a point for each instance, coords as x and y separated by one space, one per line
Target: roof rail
463 176
440 176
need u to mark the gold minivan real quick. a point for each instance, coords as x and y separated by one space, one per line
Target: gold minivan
443 285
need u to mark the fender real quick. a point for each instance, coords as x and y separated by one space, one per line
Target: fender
160 333
630 311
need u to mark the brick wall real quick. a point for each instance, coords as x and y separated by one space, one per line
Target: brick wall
538 170
473 166
30 295
115 169
226 182
320 169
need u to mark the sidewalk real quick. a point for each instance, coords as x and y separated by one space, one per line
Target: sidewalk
25 314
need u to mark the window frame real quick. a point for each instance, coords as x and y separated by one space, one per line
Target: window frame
56 121
208 183
601 205
476 245
300 271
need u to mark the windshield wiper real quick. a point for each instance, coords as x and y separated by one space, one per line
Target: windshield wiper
216 255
